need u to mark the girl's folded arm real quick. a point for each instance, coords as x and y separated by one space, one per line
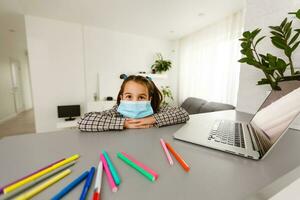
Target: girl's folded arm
171 115
101 121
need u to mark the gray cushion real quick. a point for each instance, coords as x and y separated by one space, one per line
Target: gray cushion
196 105
214 106
193 105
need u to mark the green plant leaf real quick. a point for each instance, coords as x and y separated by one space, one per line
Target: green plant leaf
288 52
294 38
278 43
263 81
277 34
243 60
288 26
255 32
260 39
247 34
288 34
283 23
295 46
298 14
249 53
245 45
243 51
276 28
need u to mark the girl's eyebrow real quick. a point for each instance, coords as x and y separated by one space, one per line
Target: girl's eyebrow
142 94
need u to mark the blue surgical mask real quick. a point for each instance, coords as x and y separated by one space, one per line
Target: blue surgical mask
135 109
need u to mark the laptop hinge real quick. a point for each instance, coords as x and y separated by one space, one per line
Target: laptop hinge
254 140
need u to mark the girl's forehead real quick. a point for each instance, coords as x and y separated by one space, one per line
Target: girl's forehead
134 87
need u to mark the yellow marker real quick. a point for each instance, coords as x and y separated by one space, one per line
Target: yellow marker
43 186
39 174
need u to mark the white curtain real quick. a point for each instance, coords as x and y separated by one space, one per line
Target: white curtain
208 61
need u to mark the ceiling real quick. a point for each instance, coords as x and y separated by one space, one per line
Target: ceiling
167 19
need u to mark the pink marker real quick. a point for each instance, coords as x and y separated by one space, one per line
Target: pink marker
110 179
141 165
163 144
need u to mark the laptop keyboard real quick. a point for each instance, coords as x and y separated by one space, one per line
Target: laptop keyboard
228 132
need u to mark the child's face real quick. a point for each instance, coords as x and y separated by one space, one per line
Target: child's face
135 92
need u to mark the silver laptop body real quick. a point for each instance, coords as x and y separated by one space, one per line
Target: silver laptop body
253 140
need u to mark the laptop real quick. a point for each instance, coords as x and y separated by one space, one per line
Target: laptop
252 140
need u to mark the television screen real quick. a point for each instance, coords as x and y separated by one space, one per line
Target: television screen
69 111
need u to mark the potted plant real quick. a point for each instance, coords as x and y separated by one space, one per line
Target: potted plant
161 65
167 95
283 37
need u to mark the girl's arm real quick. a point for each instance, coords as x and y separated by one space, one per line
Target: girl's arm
101 121
170 115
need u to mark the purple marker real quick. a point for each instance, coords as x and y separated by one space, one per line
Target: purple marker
2 188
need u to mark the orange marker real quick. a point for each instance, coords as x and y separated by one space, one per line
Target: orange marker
178 158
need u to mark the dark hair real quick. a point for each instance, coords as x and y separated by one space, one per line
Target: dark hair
154 93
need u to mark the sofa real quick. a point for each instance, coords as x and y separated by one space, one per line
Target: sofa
196 105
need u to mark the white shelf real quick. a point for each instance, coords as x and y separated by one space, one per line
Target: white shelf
155 76
67 124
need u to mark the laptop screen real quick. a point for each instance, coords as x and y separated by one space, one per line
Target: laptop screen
276 114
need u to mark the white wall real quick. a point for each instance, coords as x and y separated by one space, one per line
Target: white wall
112 53
261 14
66 57
13 47
56 67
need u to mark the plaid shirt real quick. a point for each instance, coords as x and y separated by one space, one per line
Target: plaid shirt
113 120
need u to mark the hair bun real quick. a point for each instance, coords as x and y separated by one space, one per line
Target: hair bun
123 76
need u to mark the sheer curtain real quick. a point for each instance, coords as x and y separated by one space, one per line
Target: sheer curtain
208 61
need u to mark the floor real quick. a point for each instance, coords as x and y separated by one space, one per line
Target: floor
21 124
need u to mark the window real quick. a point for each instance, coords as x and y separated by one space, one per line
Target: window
209 66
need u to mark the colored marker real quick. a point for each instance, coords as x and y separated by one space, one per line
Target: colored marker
141 165
113 170
136 167
71 186
39 174
163 144
35 182
110 179
87 184
97 189
43 186
178 158
2 188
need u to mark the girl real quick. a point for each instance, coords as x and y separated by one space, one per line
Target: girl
138 106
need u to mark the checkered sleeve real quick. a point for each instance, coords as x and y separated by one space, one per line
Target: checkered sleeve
170 115
101 121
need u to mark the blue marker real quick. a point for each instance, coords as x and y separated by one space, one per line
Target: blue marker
69 187
87 184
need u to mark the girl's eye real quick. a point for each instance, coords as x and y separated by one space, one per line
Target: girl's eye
128 97
142 98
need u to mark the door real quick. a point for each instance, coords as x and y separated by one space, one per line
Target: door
17 86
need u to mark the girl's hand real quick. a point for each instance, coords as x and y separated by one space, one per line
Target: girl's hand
146 122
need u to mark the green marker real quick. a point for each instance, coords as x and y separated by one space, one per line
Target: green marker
112 169
136 167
